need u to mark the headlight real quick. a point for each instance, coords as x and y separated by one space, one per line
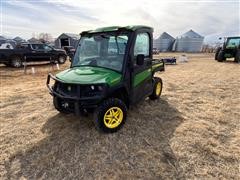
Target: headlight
97 87
93 90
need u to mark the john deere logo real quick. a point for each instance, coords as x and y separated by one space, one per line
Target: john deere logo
69 88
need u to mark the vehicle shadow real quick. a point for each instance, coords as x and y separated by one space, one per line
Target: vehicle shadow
73 149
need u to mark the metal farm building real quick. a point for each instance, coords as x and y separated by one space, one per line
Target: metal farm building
19 40
188 42
67 39
164 42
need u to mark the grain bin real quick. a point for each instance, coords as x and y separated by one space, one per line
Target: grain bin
188 42
164 42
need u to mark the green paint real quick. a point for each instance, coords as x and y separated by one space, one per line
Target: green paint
138 78
90 75
157 65
115 28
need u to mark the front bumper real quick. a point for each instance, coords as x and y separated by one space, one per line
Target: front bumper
77 102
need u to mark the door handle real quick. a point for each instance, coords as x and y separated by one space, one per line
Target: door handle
33 51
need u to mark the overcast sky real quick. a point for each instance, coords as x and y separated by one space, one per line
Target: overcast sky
208 17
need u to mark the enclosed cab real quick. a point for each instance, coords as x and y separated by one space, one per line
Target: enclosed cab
112 69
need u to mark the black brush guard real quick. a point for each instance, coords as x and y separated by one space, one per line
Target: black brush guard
78 101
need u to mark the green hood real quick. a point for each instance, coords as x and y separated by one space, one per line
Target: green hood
89 75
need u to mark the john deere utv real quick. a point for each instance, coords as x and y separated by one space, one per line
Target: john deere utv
112 69
230 49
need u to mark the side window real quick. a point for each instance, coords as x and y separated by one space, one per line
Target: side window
34 46
40 47
24 46
142 44
47 48
37 46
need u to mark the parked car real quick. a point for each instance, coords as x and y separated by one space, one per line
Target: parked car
70 50
170 60
31 53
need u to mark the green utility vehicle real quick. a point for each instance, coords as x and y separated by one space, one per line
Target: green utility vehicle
112 69
230 49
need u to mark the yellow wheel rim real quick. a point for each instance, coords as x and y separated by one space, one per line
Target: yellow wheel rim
113 117
158 88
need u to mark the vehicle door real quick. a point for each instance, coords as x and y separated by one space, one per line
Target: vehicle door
48 52
37 52
142 74
27 51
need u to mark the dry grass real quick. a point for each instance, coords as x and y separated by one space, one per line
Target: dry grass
191 132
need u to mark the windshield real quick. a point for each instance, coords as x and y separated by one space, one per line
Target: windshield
105 50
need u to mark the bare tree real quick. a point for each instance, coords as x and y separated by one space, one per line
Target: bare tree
45 37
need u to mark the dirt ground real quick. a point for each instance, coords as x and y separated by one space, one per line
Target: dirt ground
193 131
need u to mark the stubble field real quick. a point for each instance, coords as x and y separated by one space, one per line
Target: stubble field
193 131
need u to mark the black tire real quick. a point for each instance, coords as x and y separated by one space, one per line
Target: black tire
62 59
156 91
217 52
16 62
237 56
57 105
221 57
111 105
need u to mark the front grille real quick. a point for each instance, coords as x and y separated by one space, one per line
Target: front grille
86 91
66 89
76 90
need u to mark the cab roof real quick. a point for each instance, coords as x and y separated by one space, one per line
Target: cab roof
117 28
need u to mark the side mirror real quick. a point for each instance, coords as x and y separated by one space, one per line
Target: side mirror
140 59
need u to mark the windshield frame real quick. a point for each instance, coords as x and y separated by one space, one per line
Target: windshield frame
111 33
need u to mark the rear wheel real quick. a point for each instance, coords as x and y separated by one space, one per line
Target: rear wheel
221 57
16 62
217 52
237 56
62 59
111 115
157 88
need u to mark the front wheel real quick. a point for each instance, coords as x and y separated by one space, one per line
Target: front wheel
157 88
60 105
221 57
62 59
16 62
217 52
110 116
